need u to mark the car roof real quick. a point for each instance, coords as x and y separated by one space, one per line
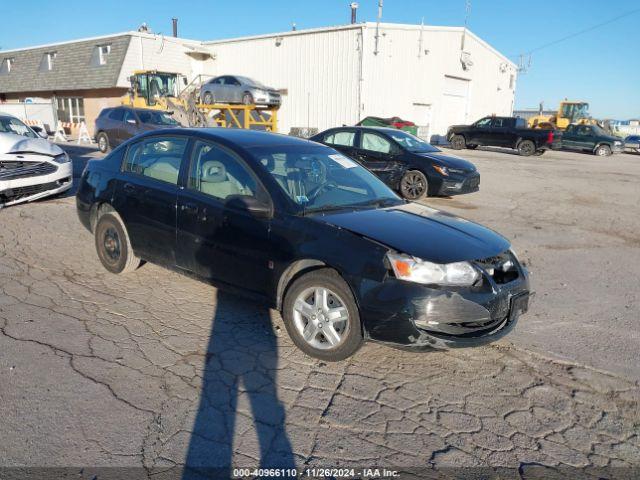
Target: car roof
365 127
242 137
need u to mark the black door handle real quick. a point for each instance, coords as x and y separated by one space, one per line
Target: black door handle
189 207
129 187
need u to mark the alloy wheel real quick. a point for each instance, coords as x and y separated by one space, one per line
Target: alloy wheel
413 185
321 318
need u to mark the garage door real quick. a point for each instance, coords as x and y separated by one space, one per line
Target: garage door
455 101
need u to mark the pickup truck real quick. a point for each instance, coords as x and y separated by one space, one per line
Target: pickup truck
509 132
591 138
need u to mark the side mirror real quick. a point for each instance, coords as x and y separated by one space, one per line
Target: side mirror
248 204
131 121
40 131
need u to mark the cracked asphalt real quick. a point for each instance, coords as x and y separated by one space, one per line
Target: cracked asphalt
155 370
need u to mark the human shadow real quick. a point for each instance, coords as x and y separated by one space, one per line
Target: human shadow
240 370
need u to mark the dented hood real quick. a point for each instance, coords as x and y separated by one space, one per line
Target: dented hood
12 143
423 232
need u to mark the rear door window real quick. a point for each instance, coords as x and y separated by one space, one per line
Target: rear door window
345 139
117 114
157 157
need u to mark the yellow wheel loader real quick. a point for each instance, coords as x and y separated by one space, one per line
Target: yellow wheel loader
171 92
569 112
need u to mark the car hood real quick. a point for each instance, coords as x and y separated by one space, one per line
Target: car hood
423 232
12 143
448 161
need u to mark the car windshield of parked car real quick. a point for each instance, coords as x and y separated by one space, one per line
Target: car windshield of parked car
599 131
413 143
15 126
250 82
156 118
320 179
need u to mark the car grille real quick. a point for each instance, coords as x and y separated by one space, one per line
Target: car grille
22 192
502 268
16 169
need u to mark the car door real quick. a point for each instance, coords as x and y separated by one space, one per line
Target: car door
130 124
146 195
481 133
585 137
234 89
498 133
114 128
377 153
215 240
343 140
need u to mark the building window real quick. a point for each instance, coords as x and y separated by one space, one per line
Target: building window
47 61
103 53
512 80
6 65
70 109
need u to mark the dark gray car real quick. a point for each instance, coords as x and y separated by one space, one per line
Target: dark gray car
115 125
237 89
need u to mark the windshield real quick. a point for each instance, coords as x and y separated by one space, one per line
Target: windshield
162 85
600 131
156 118
15 126
318 178
412 143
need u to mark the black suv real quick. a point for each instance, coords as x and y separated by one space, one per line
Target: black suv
115 125
403 161
308 230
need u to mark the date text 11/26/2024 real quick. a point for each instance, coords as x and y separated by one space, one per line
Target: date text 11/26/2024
314 473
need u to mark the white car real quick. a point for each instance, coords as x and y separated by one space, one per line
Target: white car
30 166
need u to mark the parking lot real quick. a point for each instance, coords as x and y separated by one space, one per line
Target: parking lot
155 369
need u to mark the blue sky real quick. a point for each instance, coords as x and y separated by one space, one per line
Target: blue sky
601 66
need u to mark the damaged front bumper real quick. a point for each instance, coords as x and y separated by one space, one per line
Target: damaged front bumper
32 180
422 317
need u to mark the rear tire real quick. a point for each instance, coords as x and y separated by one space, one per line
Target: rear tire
103 142
113 244
603 151
208 98
458 142
526 148
334 300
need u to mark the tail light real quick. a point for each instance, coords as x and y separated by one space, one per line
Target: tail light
550 137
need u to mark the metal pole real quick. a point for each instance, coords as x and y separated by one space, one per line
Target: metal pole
375 52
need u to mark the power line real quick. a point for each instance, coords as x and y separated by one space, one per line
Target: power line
582 32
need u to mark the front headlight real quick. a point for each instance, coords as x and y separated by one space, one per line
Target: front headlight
62 158
444 171
411 269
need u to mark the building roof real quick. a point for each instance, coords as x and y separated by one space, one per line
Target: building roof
76 66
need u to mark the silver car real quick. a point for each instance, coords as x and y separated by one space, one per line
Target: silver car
237 89
632 144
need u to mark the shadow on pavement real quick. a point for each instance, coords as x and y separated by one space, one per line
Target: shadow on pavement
238 391
80 155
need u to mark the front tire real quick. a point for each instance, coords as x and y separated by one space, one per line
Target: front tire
321 316
113 244
247 99
526 148
208 98
103 142
458 142
603 151
414 185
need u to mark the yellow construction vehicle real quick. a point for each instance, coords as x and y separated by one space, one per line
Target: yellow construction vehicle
172 93
568 112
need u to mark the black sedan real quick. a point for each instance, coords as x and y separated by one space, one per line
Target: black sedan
310 231
403 161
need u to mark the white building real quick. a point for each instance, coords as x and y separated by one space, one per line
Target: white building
339 75
433 76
